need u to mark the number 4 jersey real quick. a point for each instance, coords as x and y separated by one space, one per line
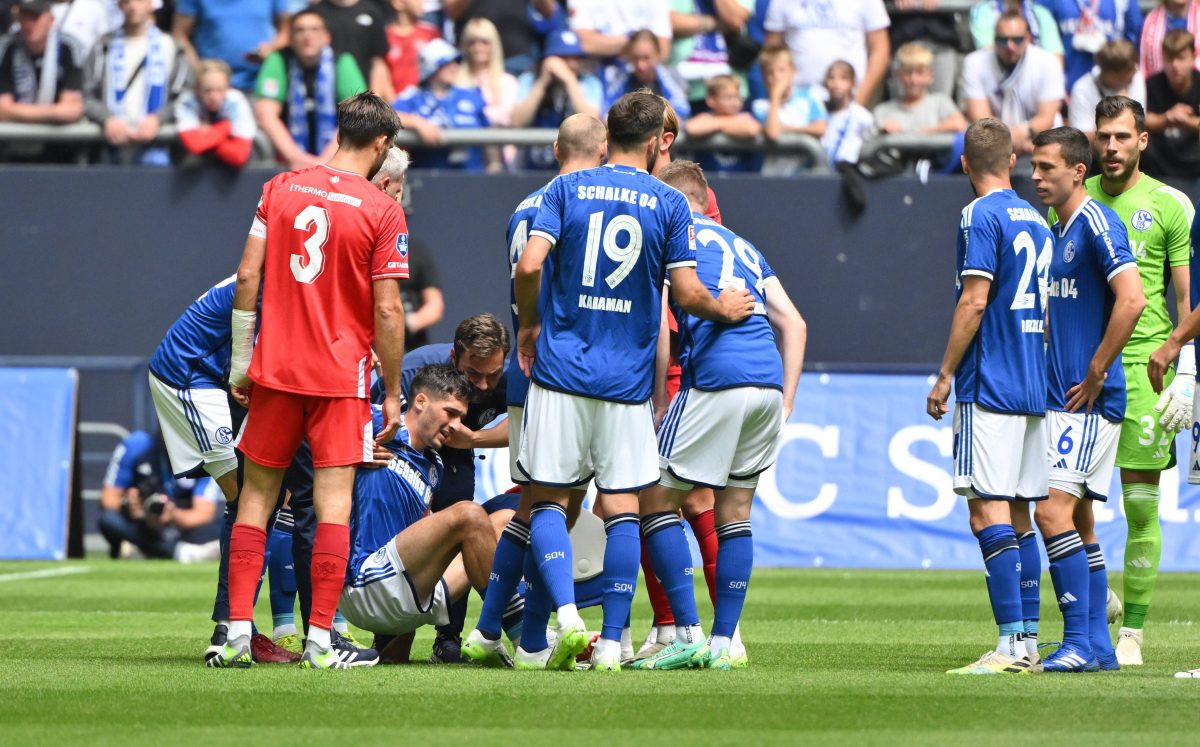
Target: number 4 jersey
615 230
1004 239
330 234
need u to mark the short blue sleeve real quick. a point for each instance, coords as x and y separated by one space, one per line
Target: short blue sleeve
980 237
681 234
122 469
548 221
1111 249
767 272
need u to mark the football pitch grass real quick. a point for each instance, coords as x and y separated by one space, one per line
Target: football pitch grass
109 653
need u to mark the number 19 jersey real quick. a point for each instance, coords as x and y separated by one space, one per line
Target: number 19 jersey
615 231
1004 239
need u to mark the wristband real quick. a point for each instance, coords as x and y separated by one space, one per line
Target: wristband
241 345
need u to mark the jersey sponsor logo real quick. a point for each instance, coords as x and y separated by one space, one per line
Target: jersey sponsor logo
334 179
596 303
1142 220
1069 252
344 199
413 477
487 416
224 435
402 244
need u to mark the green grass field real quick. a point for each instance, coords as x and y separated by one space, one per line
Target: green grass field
110 654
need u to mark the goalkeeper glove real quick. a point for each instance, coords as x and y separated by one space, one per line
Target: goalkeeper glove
1175 404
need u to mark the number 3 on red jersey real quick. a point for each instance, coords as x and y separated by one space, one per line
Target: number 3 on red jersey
307 268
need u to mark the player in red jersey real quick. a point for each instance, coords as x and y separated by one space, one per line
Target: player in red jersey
329 249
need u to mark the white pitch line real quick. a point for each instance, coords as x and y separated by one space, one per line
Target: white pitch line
44 573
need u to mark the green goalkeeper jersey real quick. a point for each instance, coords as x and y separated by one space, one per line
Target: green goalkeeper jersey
1158 219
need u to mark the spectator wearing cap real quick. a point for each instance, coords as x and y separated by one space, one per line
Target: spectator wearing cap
1115 74
131 80
558 88
439 103
242 33
41 79
360 28
298 90
641 68
604 26
406 34
516 22
214 120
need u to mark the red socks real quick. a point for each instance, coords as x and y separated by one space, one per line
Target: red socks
331 548
705 529
247 549
658 595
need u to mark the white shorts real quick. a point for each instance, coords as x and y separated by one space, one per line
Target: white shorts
566 439
998 455
1194 466
381 598
1082 453
196 427
719 439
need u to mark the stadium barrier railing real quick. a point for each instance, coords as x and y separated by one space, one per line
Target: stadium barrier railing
909 146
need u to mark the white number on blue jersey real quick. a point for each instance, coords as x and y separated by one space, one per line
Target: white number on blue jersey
626 256
745 253
308 268
1023 245
519 240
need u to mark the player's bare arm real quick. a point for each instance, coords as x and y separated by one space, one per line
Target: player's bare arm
1175 404
1127 308
731 307
660 398
494 437
527 284
389 344
967 316
792 336
1160 360
245 300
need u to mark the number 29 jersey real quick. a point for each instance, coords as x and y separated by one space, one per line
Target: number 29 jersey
330 234
1004 239
615 231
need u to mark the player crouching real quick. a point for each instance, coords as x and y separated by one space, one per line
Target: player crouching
1093 306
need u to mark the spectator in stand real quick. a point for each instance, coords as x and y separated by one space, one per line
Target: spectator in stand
360 28
822 31
926 22
406 34
1043 29
214 120
604 26
642 68
700 51
41 79
131 80
1173 110
850 124
483 52
515 22
918 111
440 103
1015 82
558 88
1172 14
1085 25
242 33
1115 74
787 108
298 90
85 21
725 116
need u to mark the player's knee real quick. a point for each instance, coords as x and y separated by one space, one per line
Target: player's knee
468 517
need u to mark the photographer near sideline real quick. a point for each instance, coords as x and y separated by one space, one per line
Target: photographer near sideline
162 516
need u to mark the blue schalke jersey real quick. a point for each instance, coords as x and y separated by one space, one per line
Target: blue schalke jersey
517 236
1088 252
714 355
615 231
460 107
390 499
194 354
1004 239
1194 268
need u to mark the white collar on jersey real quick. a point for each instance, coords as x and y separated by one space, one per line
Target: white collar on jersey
625 169
1062 230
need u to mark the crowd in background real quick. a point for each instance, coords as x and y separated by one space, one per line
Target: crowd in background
230 74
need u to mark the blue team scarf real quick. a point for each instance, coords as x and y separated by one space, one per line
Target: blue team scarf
119 74
323 97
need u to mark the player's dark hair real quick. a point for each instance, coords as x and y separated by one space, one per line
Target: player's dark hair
1111 107
687 177
364 117
1074 144
988 146
307 12
481 336
441 381
633 119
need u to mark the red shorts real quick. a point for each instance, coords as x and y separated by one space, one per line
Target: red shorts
338 429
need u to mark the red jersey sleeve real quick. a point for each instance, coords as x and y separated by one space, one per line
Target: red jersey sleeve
713 212
259 226
390 256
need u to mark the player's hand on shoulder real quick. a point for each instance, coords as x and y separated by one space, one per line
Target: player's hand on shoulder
526 347
736 303
379 458
391 419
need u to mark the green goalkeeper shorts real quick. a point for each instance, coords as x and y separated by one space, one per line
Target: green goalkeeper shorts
1144 445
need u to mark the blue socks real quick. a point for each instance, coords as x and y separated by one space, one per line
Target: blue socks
1098 633
622 560
1072 582
735 559
505 575
1002 559
282 574
551 546
1031 585
537 608
672 560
